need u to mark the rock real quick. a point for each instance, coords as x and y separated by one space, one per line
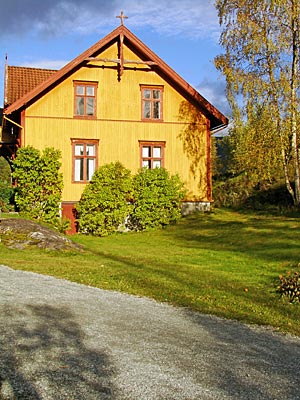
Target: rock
18 233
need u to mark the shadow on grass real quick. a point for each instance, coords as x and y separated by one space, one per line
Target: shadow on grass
202 277
265 236
43 355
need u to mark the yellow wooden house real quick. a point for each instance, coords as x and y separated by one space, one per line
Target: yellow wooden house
117 101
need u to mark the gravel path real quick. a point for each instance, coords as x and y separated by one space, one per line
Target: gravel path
60 340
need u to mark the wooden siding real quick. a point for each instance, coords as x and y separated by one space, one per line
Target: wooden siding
118 126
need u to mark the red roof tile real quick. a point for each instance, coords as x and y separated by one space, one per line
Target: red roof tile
21 80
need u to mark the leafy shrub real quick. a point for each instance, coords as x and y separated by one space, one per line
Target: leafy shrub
231 192
266 196
104 206
6 188
157 197
6 197
289 286
63 225
39 183
240 192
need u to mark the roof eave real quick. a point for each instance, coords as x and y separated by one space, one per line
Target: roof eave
23 101
215 116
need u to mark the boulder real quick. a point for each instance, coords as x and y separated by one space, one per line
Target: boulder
18 233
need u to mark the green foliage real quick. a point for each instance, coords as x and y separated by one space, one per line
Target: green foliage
231 192
289 286
222 156
4 170
39 183
114 200
104 206
270 197
239 192
261 64
6 188
249 162
157 197
255 147
63 225
6 197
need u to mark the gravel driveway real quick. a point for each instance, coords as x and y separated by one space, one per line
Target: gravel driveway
61 340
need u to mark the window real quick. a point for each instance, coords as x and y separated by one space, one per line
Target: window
152 99
85 159
85 99
152 154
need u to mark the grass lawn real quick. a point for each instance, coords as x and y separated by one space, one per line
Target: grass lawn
224 263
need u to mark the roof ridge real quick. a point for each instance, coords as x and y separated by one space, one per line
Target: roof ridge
36 68
123 33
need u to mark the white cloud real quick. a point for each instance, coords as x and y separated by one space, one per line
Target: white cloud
189 18
214 92
48 64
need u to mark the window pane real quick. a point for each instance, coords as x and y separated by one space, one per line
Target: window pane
90 149
78 175
147 108
146 151
90 168
156 110
90 106
79 106
156 164
146 163
80 90
79 149
156 152
156 94
146 93
90 90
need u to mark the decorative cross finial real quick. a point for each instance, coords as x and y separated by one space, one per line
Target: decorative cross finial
122 17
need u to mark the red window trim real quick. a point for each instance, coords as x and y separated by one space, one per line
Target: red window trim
152 87
83 142
85 83
152 144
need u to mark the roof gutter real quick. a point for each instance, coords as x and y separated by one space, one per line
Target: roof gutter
218 128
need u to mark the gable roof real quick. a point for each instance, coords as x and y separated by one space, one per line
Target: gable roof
21 80
159 66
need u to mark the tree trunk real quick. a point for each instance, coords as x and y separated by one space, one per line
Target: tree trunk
294 78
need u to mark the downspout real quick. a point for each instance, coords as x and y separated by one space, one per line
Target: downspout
208 163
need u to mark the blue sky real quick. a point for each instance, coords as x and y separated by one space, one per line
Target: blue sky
50 33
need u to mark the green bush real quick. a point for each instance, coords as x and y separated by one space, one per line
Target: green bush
231 192
6 188
104 204
289 286
113 200
39 183
240 192
6 197
157 196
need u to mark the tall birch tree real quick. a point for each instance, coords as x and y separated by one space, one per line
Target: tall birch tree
261 42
